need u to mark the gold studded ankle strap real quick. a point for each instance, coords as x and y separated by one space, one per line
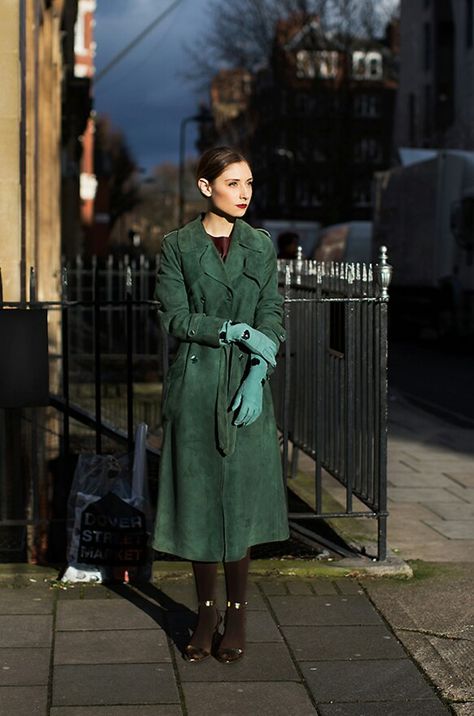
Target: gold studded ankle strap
237 605
207 603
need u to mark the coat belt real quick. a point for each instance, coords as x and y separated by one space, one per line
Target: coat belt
226 389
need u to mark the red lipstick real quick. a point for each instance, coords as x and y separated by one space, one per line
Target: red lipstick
242 206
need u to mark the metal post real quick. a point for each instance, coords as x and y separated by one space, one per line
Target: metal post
129 294
65 357
97 366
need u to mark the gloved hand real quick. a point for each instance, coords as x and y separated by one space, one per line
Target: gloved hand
256 341
250 394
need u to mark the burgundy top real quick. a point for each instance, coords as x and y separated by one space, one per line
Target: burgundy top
222 244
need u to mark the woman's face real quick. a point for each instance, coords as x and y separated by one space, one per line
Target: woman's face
230 193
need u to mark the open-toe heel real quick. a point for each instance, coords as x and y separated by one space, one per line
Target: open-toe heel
229 655
196 653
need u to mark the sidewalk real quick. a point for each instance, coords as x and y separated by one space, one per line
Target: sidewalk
315 645
319 642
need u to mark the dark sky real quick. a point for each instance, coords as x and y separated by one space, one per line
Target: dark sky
144 94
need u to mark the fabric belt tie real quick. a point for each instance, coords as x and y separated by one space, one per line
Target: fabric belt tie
226 431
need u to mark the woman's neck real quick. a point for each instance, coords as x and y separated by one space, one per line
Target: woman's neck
217 225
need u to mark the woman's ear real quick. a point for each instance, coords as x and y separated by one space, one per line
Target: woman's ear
204 187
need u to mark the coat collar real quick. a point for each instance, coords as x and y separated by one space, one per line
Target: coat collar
244 251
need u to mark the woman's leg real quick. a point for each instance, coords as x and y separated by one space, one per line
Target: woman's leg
205 576
236 577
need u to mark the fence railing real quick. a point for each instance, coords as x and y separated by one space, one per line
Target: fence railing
330 389
329 386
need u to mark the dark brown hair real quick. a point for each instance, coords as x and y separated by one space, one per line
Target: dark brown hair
213 162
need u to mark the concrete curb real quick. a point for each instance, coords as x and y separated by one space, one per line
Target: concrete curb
24 574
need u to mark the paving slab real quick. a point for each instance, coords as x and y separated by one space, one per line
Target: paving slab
33 600
238 698
108 684
26 630
262 662
433 616
430 707
260 626
298 586
324 643
451 511
394 679
272 586
111 647
419 480
155 710
24 667
107 614
186 597
461 529
302 610
423 494
23 700
463 493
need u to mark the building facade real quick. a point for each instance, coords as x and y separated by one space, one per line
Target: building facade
43 110
317 123
435 103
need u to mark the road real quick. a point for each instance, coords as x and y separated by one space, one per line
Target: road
439 377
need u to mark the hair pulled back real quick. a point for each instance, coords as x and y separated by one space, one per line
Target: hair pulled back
213 162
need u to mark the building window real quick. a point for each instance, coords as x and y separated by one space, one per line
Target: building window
362 193
327 64
302 150
303 193
412 118
367 65
428 111
367 105
321 63
469 22
367 150
427 46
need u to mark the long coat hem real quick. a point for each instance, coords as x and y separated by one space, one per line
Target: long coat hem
213 557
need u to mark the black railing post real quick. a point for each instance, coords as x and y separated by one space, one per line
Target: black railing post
65 356
383 276
129 323
97 361
286 385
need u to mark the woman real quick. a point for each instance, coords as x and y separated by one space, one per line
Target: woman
220 484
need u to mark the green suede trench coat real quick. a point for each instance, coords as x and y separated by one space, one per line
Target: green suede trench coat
221 486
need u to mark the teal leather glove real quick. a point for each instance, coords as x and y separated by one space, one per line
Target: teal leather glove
256 341
249 398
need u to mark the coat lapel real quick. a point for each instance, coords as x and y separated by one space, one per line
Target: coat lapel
200 254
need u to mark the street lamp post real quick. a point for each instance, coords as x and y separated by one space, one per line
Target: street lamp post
203 116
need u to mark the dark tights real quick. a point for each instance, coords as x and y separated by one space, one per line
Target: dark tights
205 575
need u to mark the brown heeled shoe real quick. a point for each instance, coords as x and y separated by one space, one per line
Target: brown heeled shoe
196 653
229 655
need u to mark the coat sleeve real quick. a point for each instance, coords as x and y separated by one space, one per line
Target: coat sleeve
173 310
269 310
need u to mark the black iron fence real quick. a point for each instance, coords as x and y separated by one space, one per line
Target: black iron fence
329 386
330 389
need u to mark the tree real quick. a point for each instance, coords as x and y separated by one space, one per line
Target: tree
114 164
242 32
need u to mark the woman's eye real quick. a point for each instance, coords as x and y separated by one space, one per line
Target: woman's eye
233 183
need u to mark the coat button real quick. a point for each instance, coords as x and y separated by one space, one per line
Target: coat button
203 299
192 332
194 358
241 355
